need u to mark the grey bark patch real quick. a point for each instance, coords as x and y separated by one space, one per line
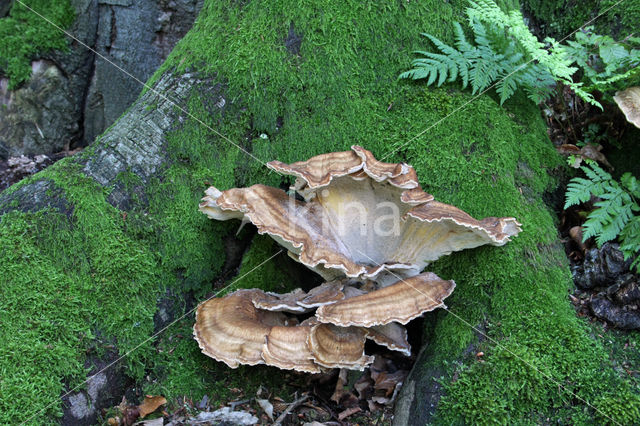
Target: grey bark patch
103 388
79 407
40 195
82 405
117 2
421 393
122 197
138 143
419 397
170 307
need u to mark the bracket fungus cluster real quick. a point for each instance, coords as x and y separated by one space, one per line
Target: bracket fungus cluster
369 230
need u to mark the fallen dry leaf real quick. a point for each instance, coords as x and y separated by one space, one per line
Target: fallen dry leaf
348 412
151 404
387 382
363 387
576 235
589 151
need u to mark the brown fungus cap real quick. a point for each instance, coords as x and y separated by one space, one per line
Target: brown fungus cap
287 302
230 329
339 347
628 101
298 301
359 213
324 294
286 348
393 336
400 302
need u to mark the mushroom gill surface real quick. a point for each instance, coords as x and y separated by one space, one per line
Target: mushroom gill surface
360 218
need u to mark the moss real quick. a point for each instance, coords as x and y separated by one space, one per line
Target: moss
340 88
24 35
64 286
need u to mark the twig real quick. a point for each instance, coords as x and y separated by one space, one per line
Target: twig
234 404
289 409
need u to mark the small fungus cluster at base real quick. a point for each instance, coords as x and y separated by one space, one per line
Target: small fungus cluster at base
366 227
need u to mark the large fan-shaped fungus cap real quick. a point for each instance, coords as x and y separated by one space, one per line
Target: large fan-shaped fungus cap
230 329
233 330
361 217
400 302
361 220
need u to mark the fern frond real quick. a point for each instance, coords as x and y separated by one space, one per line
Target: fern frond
506 87
615 212
631 184
611 230
461 40
596 174
630 241
436 67
578 192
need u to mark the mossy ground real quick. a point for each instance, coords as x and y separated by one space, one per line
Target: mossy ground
24 34
98 272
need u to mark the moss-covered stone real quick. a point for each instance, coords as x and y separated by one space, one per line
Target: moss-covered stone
25 34
294 81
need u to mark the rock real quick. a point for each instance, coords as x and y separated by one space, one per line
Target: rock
619 316
600 267
226 416
625 291
34 119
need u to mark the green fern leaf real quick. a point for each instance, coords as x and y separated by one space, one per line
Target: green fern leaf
631 184
619 220
578 191
630 241
596 173
507 86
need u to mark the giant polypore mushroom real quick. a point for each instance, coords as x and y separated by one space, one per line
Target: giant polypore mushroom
365 225
360 217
